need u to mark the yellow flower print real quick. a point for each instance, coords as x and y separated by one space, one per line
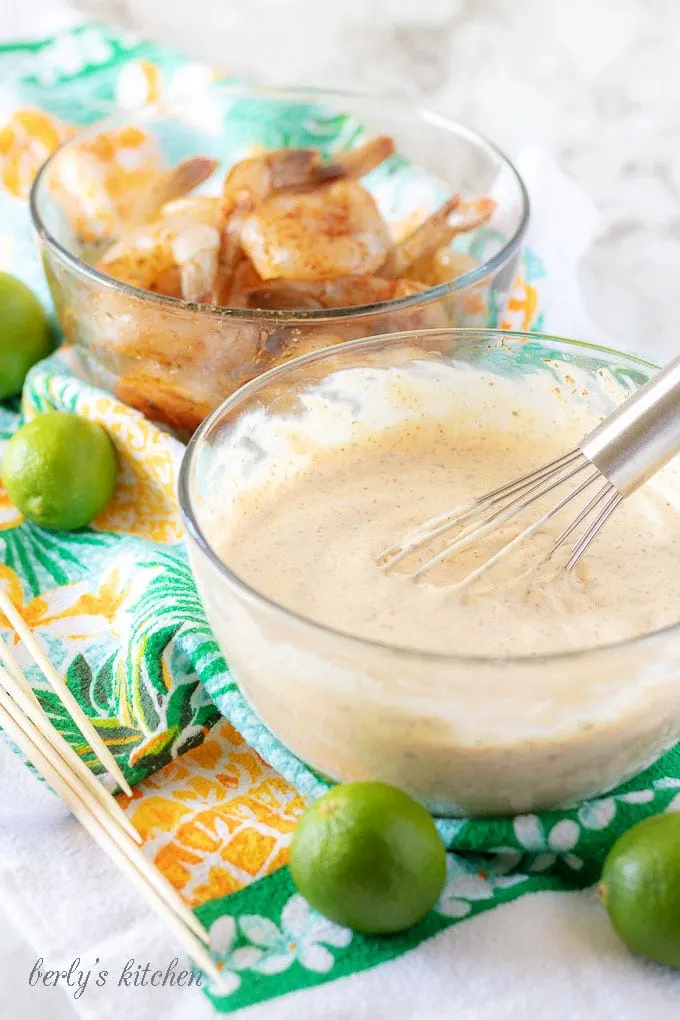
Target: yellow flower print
74 613
523 301
144 501
139 82
106 603
9 515
11 585
217 818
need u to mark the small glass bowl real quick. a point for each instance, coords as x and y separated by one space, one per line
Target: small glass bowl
176 361
433 724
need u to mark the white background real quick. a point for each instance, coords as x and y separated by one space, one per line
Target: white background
596 83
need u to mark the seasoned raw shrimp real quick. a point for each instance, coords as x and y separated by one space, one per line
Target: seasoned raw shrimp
141 256
439 229
252 181
172 246
248 184
168 185
349 292
196 251
177 252
163 400
345 292
292 342
281 295
333 231
202 207
236 287
96 181
440 266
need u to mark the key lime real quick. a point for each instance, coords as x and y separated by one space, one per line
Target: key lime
59 470
25 335
640 888
369 857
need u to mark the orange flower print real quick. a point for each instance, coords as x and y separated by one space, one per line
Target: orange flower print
217 818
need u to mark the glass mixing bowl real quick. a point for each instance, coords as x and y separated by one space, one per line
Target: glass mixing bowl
176 361
433 724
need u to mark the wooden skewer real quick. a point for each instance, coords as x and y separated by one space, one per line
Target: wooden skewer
91 801
124 854
60 687
110 822
11 666
31 707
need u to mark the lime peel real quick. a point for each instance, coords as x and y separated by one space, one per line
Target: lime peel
60 470
369 857
641 888
25 334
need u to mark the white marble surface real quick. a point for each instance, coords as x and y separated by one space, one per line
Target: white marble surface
596 82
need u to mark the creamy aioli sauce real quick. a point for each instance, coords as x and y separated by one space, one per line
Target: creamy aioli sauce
311 544
303 526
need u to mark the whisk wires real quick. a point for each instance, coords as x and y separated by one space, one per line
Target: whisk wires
479 517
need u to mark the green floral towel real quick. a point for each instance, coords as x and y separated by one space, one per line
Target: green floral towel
116 608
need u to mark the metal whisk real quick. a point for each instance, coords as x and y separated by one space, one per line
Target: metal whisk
626 449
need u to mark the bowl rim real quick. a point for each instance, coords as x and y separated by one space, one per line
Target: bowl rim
149 110
252 595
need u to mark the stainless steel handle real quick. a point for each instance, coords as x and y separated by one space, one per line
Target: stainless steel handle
642 434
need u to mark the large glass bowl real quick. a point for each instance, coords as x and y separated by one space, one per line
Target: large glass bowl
430 723
176 361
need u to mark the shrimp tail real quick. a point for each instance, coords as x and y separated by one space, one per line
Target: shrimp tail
470 215
433 233
168 186
292 168
439 229
357 162
187 175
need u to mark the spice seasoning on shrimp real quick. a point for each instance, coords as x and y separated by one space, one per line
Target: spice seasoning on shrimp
288 234
287 218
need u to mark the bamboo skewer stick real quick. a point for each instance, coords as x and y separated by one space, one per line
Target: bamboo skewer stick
115 820
8 661
60 687
31 708
112 823
128 858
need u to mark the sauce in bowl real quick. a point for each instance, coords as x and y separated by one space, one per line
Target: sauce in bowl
526 690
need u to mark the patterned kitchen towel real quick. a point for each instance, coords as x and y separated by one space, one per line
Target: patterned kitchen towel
218 820
116 608
136 659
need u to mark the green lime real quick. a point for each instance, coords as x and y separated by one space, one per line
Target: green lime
640 888
60 470
25 334
369 857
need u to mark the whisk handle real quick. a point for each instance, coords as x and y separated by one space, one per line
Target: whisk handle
642 435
